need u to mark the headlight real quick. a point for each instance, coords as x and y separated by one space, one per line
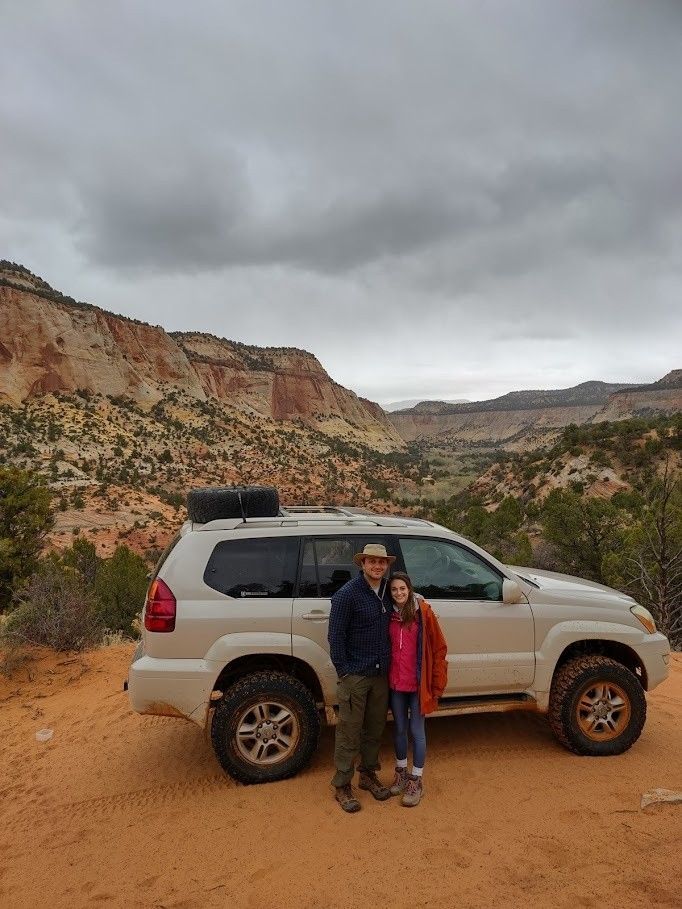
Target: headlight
644 616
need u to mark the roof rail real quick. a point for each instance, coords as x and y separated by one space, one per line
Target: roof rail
313 509
320 518
347 510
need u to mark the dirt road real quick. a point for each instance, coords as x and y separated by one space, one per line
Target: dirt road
124 810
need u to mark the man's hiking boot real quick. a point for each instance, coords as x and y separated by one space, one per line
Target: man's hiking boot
370 781
399 780
413 792
344 796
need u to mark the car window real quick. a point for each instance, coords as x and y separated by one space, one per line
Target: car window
262 567
327 564
441 570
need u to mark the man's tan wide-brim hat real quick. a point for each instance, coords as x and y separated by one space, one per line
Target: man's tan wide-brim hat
375 550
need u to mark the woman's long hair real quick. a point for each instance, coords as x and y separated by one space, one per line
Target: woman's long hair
408 610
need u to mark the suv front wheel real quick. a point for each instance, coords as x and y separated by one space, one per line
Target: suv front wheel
265 727
596 706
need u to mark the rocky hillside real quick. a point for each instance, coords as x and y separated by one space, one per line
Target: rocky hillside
51 343
122 418
120 471
531 418
597 460
664 396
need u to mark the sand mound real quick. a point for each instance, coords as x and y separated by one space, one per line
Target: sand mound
126 810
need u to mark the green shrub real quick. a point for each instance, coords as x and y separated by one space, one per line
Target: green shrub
82 558
120 586
600 458
54 609
582 531
25 519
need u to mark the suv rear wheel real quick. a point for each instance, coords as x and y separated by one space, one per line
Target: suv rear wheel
265 727
596 706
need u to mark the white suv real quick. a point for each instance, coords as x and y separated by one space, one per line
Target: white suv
235 634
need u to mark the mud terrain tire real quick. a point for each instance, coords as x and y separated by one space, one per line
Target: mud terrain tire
214 503
284 741
597 706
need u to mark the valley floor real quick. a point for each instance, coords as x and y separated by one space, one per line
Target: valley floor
124 810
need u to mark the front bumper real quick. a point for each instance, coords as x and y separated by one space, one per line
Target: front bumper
654 651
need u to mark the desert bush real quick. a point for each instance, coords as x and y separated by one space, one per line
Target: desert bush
581 530
25 519
600 458
501 531
82 557
12 658
648 563
120 587
54 609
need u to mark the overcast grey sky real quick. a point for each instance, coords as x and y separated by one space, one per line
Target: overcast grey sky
438 199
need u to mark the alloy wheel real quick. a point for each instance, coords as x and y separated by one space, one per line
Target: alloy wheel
267 733
603 710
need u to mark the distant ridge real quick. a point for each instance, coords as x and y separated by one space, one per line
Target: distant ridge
673 379
528 419
413 402
593 392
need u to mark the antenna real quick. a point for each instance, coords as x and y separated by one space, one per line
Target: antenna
241 506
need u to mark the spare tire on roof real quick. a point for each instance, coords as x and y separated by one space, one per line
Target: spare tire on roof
214 503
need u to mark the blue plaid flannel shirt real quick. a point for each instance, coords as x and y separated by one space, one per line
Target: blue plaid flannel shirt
359 642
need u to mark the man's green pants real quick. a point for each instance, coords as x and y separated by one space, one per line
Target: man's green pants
363 704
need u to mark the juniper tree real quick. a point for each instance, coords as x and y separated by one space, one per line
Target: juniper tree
25 519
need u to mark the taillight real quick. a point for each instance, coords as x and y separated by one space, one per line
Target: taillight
159 611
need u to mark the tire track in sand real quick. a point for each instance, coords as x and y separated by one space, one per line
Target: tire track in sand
140 799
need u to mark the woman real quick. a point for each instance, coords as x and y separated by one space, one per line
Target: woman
416 678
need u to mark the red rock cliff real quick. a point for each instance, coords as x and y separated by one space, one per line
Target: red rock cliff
50 344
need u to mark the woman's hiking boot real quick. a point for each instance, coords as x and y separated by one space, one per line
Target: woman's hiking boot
344 796
370 781
399 780
413 792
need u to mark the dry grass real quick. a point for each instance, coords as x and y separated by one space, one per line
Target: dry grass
13 658
114 639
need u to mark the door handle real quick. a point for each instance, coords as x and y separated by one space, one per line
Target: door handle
315 616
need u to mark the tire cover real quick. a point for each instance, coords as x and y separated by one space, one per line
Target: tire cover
214 503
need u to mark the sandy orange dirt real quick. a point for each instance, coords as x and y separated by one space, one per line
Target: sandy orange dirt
126 810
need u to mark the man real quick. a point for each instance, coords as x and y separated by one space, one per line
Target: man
360 649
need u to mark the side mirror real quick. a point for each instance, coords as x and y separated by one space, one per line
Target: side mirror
511 592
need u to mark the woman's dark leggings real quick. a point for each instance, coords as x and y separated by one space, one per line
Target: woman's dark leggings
405 709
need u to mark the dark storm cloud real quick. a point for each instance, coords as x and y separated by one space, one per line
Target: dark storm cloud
500 169
184 221
174 215
198 213
376 143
